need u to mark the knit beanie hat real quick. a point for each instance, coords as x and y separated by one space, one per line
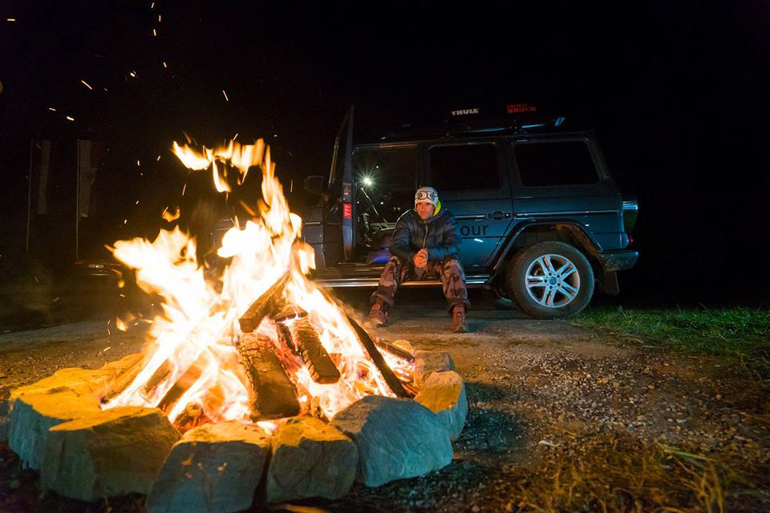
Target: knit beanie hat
428 194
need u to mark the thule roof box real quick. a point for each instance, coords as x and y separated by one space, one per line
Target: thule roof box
520 119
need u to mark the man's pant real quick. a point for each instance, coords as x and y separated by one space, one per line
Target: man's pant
449 271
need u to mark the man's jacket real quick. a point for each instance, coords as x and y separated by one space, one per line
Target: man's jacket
438 234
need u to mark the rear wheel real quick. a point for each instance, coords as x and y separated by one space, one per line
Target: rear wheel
551 280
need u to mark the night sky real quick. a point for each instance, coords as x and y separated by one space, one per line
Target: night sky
678 92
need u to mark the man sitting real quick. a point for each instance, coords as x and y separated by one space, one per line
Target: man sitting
425 245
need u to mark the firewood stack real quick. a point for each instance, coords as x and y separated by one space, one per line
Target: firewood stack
274 394
296 332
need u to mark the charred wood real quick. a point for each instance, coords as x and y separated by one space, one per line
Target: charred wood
181 385
124 380
394 350
284 334
157 378
307 342
288 312
192 416
268 302
274 394
390 378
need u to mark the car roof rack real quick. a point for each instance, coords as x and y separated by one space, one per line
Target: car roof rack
520 119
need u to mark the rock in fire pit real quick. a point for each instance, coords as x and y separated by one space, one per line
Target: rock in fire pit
88 454
215 467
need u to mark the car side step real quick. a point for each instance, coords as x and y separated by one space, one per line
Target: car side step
476 281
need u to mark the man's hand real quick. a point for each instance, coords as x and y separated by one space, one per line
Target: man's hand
421 258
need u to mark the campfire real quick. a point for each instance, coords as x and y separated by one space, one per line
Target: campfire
255 379
260 343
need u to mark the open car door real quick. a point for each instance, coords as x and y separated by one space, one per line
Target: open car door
341 182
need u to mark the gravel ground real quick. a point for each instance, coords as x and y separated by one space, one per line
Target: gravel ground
560 419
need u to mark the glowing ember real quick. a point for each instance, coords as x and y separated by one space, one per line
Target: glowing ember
193 369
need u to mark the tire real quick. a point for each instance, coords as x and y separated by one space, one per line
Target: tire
550 295
500 296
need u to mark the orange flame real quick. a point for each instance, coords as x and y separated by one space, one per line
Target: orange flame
242 157
199 329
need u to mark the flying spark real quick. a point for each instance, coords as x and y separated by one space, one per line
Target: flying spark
138 163
152 5
160 18
158 159
154 33
11 19
226 98
86 84
236 136
133 73
184 189
70 118
164 64
51 109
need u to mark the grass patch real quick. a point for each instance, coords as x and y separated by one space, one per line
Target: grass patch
743 333
619 473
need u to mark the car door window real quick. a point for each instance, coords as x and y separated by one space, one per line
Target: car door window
464 167
386 178
545 164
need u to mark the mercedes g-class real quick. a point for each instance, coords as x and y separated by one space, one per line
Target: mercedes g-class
540 216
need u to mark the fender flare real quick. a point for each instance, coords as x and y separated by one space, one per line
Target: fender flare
585 241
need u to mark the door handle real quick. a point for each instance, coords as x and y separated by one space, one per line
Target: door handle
499 215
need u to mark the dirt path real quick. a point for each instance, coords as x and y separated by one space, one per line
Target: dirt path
560 418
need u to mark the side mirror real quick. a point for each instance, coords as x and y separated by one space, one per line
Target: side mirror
314 184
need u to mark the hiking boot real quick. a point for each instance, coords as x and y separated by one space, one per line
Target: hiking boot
459 324
378 316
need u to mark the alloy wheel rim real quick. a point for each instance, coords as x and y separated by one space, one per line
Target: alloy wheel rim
552 280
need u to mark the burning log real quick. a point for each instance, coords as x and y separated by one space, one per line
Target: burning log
124 380
181 385
157 377
192 416
274 394
390 378
264 305
394 350
284 334
308 344
288 312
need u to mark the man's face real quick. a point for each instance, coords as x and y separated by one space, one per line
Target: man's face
425 209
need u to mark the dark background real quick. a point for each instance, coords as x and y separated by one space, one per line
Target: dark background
676 90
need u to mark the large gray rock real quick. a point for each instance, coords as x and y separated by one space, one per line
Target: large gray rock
66 395
215 467
443 393
310 459
396 439
426 362
108 453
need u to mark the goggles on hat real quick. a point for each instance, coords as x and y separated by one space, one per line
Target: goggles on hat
426 196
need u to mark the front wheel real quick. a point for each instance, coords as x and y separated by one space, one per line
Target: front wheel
551 280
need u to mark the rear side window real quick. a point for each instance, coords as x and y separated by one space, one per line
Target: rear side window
470 166
543 164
